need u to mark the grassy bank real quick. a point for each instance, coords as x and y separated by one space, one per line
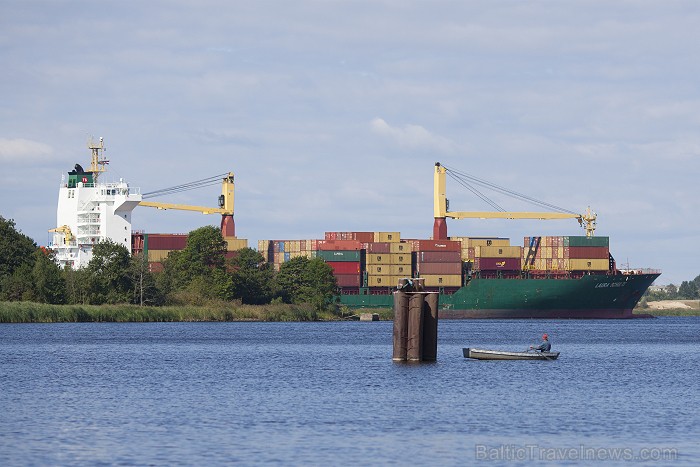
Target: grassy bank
670 308
27 312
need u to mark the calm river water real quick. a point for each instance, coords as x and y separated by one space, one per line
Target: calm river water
329 394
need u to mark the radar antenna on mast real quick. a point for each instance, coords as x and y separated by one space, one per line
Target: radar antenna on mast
97 165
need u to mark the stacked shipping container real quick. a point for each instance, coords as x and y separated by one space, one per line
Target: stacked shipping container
568 253
156 247
388 261
439 262
469 244
281 251
345 258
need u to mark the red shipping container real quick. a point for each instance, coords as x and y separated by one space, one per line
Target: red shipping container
587 252
439 257
166 241
378 248
436 245
348 280
497 264
441 269
364 237
344 267
334 245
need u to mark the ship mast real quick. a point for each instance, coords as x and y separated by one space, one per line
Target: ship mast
97 165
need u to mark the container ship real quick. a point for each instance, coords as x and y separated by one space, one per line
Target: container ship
477 277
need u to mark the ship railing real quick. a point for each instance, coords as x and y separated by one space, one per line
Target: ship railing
639 271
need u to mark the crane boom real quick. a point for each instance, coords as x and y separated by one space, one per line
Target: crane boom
183 207
225 201
441 212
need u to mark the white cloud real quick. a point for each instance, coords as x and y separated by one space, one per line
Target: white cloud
21 150
412 136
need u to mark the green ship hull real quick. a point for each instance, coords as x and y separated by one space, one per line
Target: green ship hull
587 297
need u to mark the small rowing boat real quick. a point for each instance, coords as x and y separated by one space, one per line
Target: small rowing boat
482 354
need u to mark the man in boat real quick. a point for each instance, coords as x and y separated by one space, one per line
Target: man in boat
544 346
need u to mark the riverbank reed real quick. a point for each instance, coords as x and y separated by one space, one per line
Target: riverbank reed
28 312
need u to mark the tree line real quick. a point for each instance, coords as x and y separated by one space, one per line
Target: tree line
194 276
688 290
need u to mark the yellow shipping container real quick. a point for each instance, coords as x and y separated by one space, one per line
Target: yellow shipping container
447 280
382 281
379 269
387 236
468 254
400 247
263 245
388 258
401 258
401 270
468 242
235 244
378 258
589 264
498 252
389 270
157 256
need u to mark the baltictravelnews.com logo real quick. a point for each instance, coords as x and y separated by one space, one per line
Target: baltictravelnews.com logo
535 452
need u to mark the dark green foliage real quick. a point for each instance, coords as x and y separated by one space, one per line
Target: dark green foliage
16 261
15 248
252 277
146 291
109 279
49 283
30 312
690 290
198 272
304 280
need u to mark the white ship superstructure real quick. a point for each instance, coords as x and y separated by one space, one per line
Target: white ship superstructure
91 212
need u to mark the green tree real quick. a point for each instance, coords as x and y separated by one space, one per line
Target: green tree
16 261
146 291
304 280
198 272
688 290
49 283
252 277
110 280
77 288
18 286
671 292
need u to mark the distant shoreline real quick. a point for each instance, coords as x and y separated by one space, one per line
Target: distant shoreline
28 312
670 308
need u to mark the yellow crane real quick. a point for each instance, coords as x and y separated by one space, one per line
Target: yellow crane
441 212
67 234
226 201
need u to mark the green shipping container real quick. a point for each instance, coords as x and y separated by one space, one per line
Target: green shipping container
586 241
339 255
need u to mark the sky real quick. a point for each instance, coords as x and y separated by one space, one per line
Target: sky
332 114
